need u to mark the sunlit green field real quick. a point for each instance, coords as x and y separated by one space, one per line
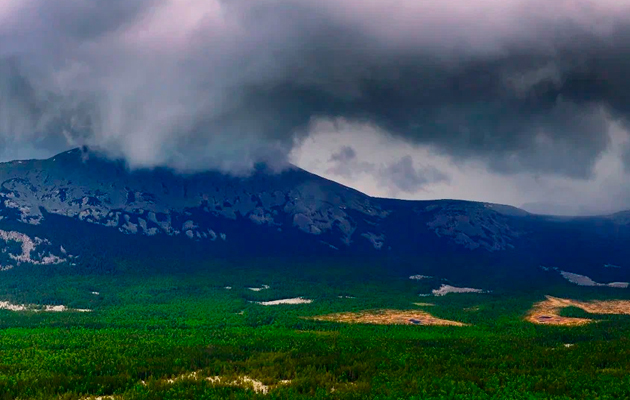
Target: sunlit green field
159 335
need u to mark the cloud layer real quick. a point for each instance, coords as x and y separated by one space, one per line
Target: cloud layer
362 156
399 176
198 84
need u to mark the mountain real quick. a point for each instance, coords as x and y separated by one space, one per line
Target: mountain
60 210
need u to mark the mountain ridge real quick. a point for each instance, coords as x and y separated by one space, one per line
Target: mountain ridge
290 213
88 153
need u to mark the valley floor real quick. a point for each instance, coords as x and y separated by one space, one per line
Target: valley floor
203 333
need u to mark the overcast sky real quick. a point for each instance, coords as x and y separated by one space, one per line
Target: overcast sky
524 102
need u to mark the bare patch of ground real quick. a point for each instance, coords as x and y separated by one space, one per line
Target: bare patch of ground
258 289
424 304
547 312
296 300
240 381
419 277
5 305
388 317
446 289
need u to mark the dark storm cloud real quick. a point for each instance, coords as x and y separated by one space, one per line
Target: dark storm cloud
520 85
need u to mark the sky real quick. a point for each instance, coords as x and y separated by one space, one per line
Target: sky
521 102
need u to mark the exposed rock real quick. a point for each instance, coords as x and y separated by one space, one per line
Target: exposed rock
419 277
376 240
582 280
28 252
296 300
472 225
446 289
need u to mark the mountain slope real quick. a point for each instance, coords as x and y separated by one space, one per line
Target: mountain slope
289 213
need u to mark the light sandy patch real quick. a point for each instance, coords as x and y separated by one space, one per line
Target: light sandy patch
583 280
547 311
446 289
241 381
55 308
295 300
424 304
387 317
5 305
258 289
419 277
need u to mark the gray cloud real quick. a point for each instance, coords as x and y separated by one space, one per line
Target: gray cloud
345 163
625 157
217 84
344 155
397 176
403 176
